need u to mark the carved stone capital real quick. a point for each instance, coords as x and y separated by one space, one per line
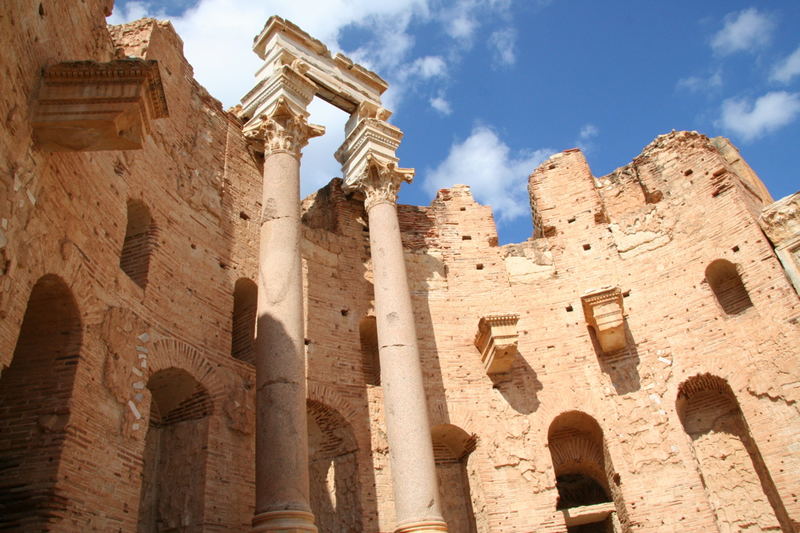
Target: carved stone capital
283 129
379 181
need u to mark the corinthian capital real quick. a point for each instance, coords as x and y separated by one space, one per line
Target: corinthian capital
380 181
284 129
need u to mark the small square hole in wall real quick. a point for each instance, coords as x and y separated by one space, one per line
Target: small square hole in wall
463 209
587 246
569 308
570 220
466 237
626 294
345 312
243 215
479 266
735 249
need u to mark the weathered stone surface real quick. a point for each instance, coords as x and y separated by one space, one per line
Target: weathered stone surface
683 459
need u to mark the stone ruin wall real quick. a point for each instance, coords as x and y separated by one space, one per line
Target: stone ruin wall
651 228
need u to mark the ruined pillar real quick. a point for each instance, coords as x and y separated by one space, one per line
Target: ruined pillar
410 447
282 486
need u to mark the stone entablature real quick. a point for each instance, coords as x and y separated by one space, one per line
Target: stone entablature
496 340
605 313
88 106
336 78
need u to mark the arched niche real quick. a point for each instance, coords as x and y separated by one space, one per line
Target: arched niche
368 336
35 392
451 449
739 486
140 235
333 470
726 283
585 476
173 475
243 320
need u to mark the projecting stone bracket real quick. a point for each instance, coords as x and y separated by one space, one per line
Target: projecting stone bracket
496 340
89 106
605 313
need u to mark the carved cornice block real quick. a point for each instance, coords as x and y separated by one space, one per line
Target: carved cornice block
287 86
497 341
87 106
605 313
371 137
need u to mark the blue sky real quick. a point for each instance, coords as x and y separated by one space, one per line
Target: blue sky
486 89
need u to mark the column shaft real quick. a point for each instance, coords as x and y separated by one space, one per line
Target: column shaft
410 447
282 487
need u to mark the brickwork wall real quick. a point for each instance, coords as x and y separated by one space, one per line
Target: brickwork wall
651 228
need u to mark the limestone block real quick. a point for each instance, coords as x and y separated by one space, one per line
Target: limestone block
587 514
781 220
88 106
497 341
781 223
605 313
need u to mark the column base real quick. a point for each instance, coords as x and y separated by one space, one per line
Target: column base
421 526
284 522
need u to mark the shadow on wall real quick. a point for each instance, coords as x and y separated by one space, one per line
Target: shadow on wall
621 366
35 393
520 386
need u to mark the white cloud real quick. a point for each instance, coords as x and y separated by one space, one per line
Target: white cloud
220 33
428 67
502 44
485 163
745 30
769 113
318 164
132 11
787 68
700 84
440 104
218 37
463 18
585 135
588 131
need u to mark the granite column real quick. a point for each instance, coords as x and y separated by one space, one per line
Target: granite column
282 484
410 447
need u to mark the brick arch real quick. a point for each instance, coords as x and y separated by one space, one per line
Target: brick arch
36 393
164 354
331 398
583 469
334 477
727 456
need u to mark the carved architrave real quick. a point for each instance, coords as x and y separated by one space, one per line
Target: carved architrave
283 129
605 313
379 182
88 106
496 340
